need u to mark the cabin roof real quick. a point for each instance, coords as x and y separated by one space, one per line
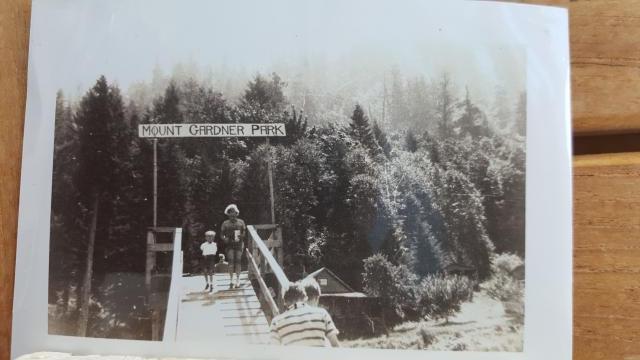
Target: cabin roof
326 270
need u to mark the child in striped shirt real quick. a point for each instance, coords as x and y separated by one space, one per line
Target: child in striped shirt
302 324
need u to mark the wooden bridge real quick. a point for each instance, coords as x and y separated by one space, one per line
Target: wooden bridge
183 311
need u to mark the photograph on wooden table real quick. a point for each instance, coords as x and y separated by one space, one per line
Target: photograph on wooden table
232 177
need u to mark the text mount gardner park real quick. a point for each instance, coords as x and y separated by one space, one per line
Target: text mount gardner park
210 130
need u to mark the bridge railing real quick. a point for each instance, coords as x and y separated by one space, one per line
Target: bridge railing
161 296
265 257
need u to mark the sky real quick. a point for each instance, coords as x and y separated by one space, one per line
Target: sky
125 40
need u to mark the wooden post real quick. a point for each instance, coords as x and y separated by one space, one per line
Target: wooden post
151 259
269 170
155 182
278 236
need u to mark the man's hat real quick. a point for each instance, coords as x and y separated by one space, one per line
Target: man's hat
210 233
231 207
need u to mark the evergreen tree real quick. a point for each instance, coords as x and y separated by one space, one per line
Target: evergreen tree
381 139
360 130
410 142
295 126
462 238
420 104
266 94
502 111
303 174
101 120
445 102
398 107
65 250
168 110
472 121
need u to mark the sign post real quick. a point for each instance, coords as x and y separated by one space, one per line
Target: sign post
155 182
156 131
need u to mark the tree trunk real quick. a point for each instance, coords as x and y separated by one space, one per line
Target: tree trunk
65 300
88 275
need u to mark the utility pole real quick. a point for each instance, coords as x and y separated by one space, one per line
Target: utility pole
155 182
270 171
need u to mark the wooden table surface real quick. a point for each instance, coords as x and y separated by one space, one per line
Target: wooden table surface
605 51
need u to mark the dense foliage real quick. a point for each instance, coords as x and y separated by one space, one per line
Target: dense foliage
441 296
434 184
506 285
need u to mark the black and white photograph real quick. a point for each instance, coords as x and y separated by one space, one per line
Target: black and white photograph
338 178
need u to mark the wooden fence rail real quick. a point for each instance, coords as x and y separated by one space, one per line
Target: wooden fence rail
262 261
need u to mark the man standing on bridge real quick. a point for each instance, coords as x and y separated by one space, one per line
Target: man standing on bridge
233 232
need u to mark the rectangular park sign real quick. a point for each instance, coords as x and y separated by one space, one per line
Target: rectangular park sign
210 130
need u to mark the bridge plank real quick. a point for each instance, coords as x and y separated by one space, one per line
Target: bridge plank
235 314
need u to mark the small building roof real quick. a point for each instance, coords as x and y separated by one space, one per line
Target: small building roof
345 287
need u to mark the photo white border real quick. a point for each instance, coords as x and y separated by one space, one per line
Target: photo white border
548 306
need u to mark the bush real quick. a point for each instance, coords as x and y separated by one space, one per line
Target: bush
426 336
503 286
441 296
393 285
506 263
459 346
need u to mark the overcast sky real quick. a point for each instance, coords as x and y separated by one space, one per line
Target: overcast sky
126 39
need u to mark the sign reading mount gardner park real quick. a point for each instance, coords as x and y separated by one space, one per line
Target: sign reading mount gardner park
210 130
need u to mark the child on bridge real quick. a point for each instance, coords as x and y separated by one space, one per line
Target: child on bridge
209 250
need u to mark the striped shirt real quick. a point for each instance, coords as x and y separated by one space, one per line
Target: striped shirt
302 325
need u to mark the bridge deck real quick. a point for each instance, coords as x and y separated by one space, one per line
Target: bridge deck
236 313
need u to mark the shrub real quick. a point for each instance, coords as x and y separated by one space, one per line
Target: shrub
459 346
393 285
506 263
441 296
503 286
426 336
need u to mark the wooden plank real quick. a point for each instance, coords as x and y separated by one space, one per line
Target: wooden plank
605 65
162 229
245 321
607 256
605 57
263 287
277 270
160 247
265 226
236 313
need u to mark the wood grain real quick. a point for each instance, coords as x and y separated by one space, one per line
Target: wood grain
605 58
607 256
605 64
14 33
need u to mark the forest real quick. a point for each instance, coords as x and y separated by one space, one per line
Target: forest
428 180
